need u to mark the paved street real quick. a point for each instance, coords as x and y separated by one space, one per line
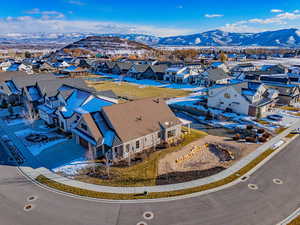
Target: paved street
269 204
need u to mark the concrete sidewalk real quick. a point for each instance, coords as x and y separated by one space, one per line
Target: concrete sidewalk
33 173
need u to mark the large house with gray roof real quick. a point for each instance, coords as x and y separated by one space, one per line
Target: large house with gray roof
128 128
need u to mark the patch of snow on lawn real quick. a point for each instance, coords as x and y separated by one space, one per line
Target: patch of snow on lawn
73 168
37 148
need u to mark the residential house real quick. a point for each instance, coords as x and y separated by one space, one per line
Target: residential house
148 123
219 65
155 72
9 92
121 68
244 67
5 65
78 101
137 70
46 67
177 74
26 67
74 71
275 69
289 94
216 76
105 67
50 91
247 98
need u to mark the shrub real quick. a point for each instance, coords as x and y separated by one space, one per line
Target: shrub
237 137
262 139
250 139
249 127
261 131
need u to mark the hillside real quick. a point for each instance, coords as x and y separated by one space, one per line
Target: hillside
103 44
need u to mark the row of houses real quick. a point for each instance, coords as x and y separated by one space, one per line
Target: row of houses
95 119
67 66
253 98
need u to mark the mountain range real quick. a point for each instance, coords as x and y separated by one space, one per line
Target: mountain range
279 38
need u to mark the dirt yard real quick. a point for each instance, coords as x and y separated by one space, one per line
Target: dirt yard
201 156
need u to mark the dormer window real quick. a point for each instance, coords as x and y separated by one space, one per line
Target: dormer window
84 127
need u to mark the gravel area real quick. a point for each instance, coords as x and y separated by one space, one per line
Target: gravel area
203 158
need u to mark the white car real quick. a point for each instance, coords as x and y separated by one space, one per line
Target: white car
278 144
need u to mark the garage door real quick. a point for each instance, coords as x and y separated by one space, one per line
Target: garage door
83 143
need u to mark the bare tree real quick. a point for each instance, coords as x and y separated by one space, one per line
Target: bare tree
107 163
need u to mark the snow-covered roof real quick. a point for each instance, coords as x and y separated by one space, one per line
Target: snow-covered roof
92 104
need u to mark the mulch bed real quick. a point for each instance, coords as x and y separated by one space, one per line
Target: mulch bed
179 177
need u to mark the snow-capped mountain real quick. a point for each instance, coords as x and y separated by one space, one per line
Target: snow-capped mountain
279 38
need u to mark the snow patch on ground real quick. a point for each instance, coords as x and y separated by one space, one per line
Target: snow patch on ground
74 167
37 148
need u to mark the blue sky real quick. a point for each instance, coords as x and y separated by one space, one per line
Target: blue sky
158 17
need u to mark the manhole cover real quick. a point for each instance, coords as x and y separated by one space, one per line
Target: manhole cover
244 178
141 223
28 207
252 186
277 181
31 198
148 215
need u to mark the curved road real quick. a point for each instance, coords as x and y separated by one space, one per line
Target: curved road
237 205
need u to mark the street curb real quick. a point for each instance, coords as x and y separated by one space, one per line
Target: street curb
163 188
290 218
196 194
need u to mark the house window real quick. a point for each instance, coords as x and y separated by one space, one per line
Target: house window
159 135
137 144
83 126
171 133
62 125
127 148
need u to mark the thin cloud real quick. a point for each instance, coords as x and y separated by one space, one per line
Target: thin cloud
30 24
276 10
45 15
76 2
278 21
213 15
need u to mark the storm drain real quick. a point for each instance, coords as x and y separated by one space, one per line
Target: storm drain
148 215
28 207
277 181
32 198
253 186
141 223
244 178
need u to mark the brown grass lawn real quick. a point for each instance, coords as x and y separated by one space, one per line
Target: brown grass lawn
102 195
132 91
295 221
144 173
291 108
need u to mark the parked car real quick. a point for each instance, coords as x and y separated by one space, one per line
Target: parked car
275 117
295 131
